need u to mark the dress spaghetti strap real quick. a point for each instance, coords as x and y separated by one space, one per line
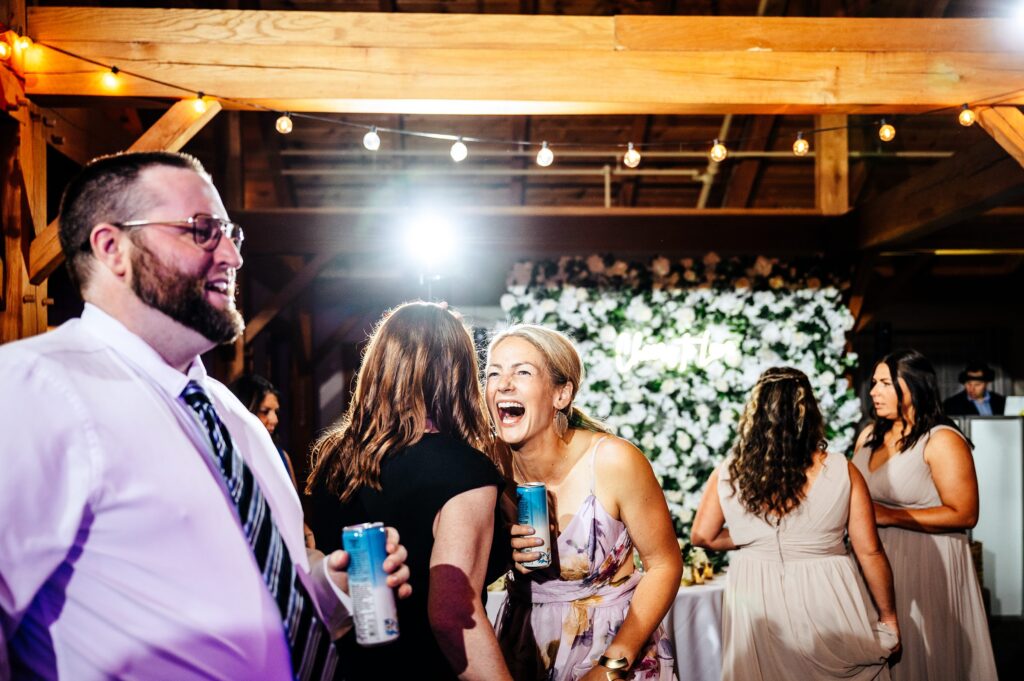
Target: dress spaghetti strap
593 463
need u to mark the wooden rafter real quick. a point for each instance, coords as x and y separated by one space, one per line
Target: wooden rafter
1006 126
948 192
288 294
757 134
464 64
174 129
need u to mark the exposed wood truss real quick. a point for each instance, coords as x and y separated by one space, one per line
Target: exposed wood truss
488 64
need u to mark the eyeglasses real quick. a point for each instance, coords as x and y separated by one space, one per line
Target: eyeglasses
206 229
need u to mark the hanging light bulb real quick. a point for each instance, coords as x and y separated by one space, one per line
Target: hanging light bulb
886 133
199 104
967 116
5 50
371 140
545 156
459 151
800 145
718 152
23 42
110 79
284 123
631 157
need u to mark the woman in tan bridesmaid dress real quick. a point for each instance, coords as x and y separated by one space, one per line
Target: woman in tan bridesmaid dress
795 605
920 471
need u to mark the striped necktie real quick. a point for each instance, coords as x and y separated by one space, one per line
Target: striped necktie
313 656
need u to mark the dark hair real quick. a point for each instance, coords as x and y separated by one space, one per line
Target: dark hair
105 191
919 375
987 374
779 433
420 363
251 389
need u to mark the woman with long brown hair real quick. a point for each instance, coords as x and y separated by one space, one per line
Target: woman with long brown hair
409 452
920 471
795 605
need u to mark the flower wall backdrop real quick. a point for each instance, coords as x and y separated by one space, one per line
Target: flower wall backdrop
672 349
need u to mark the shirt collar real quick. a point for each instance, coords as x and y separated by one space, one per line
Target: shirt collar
140 354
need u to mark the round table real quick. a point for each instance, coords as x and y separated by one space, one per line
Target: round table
694 622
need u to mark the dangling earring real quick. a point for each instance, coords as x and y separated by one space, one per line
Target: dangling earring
561 423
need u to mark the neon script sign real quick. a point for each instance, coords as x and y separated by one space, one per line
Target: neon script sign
631 350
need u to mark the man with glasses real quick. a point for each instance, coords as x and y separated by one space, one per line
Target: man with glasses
147 527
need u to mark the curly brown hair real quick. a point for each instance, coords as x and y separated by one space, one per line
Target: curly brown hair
420 363
779 433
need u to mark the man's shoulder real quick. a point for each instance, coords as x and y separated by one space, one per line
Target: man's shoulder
51 347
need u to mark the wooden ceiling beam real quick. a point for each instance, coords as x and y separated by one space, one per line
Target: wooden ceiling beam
170 133
510 65
946 193
536 231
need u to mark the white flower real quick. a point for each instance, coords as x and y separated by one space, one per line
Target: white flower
826 378
639 312
703 411
508 301
548 305
683 441
608 335
626 432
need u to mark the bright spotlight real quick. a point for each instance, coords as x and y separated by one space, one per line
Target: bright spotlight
429 239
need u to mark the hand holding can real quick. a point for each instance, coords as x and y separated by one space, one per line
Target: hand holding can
373 602
533 511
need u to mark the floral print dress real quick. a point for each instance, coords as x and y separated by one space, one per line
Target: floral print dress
555 628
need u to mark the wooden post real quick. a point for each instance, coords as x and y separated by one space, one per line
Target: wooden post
831 165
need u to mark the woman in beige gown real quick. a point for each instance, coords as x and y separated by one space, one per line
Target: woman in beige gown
795 605
920 471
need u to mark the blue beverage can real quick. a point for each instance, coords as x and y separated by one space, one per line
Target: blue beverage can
373 602
533 511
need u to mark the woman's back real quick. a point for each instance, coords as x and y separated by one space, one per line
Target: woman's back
795 605
814 528
415 484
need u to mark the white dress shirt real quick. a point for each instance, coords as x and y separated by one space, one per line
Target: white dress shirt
120 555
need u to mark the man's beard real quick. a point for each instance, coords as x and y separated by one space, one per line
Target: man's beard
181 297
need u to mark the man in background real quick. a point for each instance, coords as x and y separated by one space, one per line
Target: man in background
975 399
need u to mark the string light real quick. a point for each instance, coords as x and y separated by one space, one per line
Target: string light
199 104
284 123
631 157
545 156
718 152
800 145
967 116
886 132
5 50
371 140
110 79
23 42
459 151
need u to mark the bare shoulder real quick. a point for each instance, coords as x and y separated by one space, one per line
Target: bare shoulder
617 457
945 442
863 437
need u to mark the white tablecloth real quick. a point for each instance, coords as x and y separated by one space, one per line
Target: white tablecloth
694 622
